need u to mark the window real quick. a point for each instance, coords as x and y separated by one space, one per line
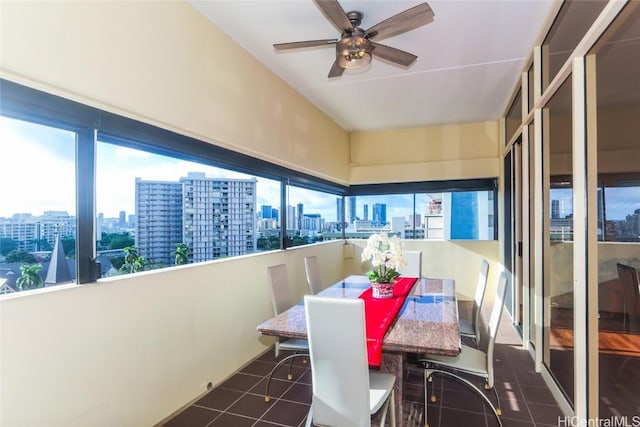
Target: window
514 117
173 211
530 89
558 238
312 216
571 24
458 210
161 198
619 211
38 212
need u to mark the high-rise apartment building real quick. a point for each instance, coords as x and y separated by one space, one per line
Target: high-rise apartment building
380 213
340 210
291 218
213 217
351 209
28 230
54 224
265 211
299 215
555 209
219 215
465 215
159 226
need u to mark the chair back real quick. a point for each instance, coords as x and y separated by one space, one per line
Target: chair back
629 275
481 288
414 264
339 365
313 274
494 321
281 297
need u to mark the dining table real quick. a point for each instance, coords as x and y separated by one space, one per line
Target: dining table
426 323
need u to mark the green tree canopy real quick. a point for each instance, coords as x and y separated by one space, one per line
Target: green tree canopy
115 241
23 257
7 245
265 244
121 242
69 246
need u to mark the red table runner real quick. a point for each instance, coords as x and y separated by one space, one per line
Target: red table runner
380 313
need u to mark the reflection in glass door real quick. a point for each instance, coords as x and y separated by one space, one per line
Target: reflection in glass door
617 67
513 232
518 279
508 231
558 239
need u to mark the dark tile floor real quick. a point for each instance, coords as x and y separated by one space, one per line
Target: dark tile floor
239 401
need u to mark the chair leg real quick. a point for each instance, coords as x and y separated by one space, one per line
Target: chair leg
392 399
390 406
290 358
426 405
498 407
473 387
289 374
383 411
309 422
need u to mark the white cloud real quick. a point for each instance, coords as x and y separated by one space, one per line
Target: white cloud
38 169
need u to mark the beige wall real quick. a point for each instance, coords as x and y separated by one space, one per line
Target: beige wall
163 63
433 153
128 351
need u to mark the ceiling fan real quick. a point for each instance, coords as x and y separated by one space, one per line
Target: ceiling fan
356 46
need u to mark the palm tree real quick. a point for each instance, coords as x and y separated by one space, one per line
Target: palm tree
182 254
133 262
30 277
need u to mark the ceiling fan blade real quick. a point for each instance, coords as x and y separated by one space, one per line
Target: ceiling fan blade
336 70
308 43
414 17
336 14
392 54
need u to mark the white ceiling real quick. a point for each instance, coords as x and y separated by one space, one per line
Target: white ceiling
469 57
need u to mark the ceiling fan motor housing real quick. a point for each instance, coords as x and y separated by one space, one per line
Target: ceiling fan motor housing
353 49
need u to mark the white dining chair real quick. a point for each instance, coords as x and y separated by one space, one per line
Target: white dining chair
469 327
414 264
312 270
471 361
282 300
345 393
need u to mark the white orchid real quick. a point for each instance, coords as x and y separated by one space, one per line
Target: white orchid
386 257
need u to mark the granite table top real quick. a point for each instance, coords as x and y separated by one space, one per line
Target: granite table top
426 323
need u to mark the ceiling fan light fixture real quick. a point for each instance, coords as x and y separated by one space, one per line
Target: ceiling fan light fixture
353 52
